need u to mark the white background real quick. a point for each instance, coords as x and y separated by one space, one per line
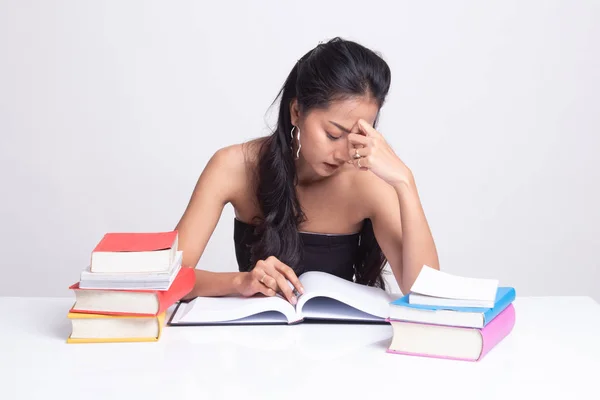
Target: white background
110 110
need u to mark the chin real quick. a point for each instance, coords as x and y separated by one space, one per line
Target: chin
330 169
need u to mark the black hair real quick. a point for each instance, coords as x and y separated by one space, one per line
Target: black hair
336 70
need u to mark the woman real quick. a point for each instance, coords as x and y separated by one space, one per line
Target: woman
324 192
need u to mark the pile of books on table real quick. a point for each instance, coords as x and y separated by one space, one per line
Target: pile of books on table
453 317
124 293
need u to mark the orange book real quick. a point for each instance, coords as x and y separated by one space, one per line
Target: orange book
135 252
141 302
97 328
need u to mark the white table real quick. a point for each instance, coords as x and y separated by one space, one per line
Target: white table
553 352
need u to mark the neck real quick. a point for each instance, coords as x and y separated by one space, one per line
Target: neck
306 175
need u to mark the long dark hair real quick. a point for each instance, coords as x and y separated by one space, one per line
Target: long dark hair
335 70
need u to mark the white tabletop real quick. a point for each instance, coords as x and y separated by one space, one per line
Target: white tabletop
553 351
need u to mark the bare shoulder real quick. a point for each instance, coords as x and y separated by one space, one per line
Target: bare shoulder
231 168
233 157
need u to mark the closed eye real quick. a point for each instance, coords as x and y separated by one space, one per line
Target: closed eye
333 137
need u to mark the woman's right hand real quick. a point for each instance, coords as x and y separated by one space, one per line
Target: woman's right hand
269 277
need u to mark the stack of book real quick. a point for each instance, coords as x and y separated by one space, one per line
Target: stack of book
452 317
124 293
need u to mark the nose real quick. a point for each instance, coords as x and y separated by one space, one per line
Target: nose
341 153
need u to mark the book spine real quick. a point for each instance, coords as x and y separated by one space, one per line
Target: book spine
497 329
499 307
181 286
113 313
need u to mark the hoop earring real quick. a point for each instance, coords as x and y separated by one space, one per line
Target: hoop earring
299 144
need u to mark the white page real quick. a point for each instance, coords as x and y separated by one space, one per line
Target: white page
417 298
108 285
203 310
129 282
367 299
432 282
330 309
87 275
267 317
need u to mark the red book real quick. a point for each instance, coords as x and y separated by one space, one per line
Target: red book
133 302
135 252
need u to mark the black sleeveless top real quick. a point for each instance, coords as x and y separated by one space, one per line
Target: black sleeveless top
334 254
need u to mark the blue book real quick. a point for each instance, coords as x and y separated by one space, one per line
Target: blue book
472 317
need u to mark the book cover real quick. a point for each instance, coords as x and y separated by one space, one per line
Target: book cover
123 252
136 241
505 295
159 319
491 335
181 286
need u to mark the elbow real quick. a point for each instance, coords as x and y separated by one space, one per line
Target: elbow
409 278
192 293
404 288
405 285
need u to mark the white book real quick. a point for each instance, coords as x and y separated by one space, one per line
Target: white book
438 288
131 280
326 297
135 252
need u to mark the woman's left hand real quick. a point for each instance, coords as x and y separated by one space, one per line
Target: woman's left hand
376 155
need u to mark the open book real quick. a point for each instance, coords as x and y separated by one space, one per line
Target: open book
326 297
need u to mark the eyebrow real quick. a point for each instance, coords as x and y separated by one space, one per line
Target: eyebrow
341 127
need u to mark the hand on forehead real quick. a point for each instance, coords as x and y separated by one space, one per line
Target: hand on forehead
345 114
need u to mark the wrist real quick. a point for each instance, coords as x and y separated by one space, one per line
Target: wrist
236 281
406 182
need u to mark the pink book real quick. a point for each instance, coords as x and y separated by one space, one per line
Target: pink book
450 342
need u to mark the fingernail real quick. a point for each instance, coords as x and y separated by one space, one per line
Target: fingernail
302 289
294 300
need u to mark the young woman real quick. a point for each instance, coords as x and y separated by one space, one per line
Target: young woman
324 192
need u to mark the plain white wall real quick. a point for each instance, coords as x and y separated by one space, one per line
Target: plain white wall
110 110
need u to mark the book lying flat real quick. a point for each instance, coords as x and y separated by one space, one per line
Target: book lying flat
438 288
471 317
131 280
99 328
326 298
135 252
133 302
455 343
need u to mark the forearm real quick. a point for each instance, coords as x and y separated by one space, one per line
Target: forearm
418 247
214 284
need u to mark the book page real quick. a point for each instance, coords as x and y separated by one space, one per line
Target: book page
263 318
370 300
327 308
432 282
209 310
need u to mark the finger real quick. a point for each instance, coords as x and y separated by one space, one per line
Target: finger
260 274
357 140
258 287
283 285
269 282
366 128
289 273
257 272
285 288
362 163
356 153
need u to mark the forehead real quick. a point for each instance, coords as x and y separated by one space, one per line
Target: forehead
347 112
